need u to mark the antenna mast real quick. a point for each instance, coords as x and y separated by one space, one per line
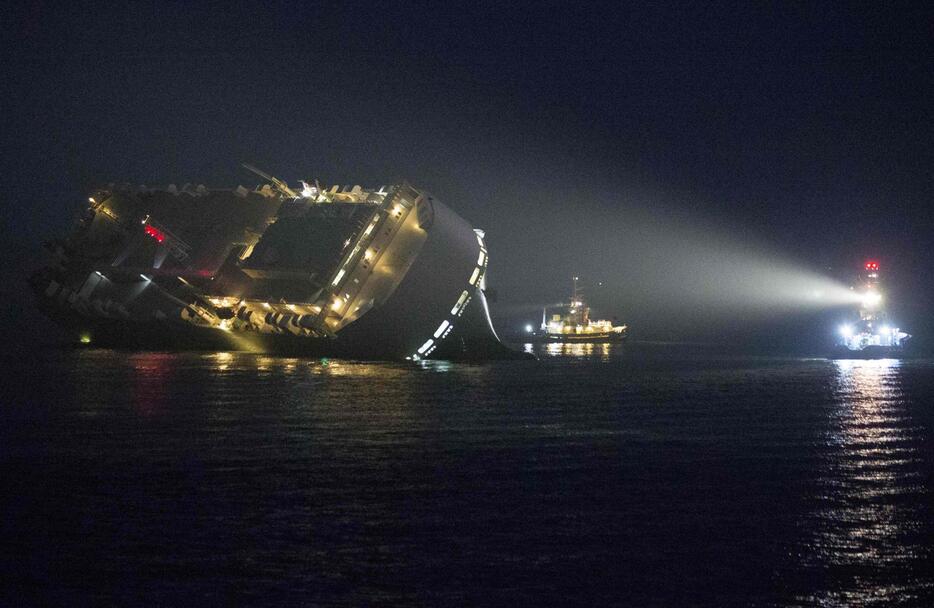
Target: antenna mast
280 185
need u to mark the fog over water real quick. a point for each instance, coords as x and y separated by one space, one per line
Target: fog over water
707 166
667 266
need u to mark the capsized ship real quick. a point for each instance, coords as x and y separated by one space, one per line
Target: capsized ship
872 335
389 272
575 324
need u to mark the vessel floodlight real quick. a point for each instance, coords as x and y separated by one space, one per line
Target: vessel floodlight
872 298
885 329
846 331
528 329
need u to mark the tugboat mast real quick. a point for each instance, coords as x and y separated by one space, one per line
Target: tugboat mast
872 335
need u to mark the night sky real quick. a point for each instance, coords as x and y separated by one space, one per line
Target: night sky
586 140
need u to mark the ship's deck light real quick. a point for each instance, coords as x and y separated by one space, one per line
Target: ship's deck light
85 338
846 331
528 329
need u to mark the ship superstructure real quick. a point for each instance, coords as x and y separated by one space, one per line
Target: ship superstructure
379 272
575 324
872 333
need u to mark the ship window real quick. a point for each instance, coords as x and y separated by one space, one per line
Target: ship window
460 302
441 328
337 279
482 258
425 346
461 311
474 276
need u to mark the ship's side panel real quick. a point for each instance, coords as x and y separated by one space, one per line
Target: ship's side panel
430 302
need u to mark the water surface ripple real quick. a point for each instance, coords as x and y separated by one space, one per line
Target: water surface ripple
595 476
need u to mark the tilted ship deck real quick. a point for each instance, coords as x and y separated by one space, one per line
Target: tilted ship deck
366 273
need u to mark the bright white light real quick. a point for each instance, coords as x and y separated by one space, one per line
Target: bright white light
309 191
444 325
846 331
872 298
528 329
885 329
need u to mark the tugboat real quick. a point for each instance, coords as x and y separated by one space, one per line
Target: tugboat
873 335
576 325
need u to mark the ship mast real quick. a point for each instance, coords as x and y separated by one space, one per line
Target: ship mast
280 185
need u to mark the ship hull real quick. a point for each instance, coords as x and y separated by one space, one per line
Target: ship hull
400 277
578 339
869 352
472 343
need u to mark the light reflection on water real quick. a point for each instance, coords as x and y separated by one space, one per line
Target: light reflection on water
571 349
867 518
644 477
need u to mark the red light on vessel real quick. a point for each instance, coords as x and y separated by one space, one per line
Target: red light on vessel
872 265
154 233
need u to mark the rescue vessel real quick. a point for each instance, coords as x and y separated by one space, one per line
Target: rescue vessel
575 325
870 334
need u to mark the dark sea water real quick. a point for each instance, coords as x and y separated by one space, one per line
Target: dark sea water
632 475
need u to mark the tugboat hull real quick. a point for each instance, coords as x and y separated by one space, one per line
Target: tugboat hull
870 352
579 339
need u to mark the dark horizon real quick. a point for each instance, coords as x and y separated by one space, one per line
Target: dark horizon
642 147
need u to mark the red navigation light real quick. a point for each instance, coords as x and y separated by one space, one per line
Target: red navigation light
154 233
872 265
